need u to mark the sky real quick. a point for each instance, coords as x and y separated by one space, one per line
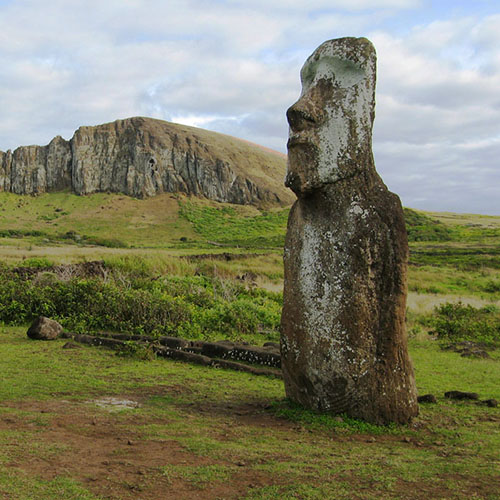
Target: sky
233 66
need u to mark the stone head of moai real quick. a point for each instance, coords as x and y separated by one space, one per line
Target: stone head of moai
331 123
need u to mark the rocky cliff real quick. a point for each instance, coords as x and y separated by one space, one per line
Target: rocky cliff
143 157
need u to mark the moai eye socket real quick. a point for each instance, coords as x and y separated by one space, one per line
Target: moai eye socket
343 72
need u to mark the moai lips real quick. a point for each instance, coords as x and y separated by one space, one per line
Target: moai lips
344 344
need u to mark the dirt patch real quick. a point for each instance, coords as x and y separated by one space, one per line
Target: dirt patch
108 457
111 454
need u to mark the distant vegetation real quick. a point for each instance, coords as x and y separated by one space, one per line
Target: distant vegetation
227 225
421 227
150 288
164 221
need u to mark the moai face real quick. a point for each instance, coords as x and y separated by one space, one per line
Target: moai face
331 123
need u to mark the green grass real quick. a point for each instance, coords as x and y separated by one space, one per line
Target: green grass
162 221
199 476
421 227
233 226
100 219
220 422
23 486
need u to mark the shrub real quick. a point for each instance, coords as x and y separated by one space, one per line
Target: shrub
37 262
130 300
459 322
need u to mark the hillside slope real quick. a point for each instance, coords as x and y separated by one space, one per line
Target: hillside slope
142 157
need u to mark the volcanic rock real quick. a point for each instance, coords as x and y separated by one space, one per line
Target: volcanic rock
44 328
142 157
461 395
343 336
427 398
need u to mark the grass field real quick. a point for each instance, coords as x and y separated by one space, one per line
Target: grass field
202 270
208 433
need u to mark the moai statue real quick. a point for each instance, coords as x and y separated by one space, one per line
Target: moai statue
343 337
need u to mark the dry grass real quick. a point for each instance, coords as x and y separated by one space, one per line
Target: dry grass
422 303
472 220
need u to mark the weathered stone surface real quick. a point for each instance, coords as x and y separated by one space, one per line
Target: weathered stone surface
343 344
143 157
44 328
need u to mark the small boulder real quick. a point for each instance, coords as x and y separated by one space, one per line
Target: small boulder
427 398
492 403
44 329
461 395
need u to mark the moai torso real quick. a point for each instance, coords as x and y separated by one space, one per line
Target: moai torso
344 346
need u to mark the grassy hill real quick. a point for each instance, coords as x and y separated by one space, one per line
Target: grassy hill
121 221
164 221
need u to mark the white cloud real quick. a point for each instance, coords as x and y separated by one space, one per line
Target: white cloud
350 5
233 66
437 116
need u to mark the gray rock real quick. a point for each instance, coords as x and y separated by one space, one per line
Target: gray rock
343 336
44 328
143 157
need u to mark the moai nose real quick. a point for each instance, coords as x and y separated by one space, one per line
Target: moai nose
300 117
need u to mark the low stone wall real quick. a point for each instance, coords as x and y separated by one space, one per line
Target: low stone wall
223 354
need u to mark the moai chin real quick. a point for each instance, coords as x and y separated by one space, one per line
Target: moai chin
343 337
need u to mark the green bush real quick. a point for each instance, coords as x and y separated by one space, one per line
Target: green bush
37 262
130 300
459 322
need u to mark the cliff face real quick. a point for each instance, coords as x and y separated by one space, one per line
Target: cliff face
36 169
143 157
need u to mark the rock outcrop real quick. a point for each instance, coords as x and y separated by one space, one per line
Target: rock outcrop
343 337
142 157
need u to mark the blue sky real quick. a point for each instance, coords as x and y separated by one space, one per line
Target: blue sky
233 66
